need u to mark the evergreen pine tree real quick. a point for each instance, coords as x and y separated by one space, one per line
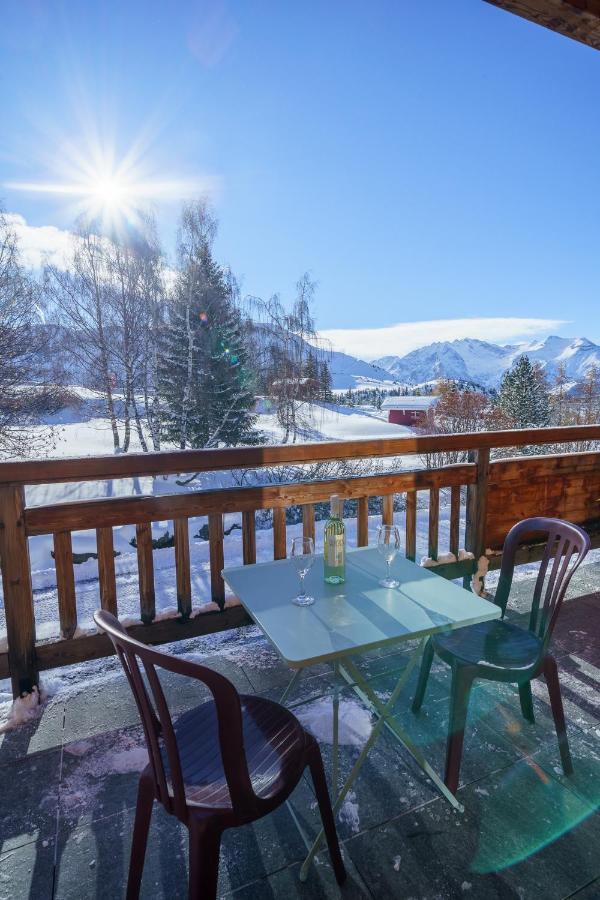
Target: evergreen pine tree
204 380
325 381
523 396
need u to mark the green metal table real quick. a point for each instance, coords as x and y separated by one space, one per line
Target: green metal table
349 620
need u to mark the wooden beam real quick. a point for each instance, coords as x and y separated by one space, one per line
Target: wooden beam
362 528
116 511
182 567
279 534
143 537
95 646
65 583
18 595
106 569
576 19
127 465
249 536
217 559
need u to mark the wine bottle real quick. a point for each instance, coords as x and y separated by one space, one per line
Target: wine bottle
334 550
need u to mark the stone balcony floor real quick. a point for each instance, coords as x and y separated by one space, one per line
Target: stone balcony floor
68 786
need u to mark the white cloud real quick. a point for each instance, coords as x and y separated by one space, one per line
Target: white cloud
397 340
39 244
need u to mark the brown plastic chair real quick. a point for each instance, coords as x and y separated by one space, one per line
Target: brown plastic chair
227 762
501 651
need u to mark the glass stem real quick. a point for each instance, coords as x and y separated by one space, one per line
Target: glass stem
389 562
302 593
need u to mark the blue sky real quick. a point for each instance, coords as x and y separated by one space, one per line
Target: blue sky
423 161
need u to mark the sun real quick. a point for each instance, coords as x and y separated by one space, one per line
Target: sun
115 191
110 198
111 192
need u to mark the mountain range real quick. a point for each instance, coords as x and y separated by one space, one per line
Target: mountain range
483 363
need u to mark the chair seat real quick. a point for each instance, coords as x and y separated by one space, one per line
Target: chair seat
274 743
498 648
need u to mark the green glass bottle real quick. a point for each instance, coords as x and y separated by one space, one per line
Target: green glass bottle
334 549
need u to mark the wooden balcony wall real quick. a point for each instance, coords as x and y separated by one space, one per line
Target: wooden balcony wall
497 495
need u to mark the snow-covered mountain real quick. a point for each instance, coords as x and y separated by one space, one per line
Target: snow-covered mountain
484 363
350 372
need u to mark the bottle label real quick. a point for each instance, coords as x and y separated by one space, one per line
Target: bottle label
334 550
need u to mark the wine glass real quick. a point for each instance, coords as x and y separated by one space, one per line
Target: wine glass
303 557
388 544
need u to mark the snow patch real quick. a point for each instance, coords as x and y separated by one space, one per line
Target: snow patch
93 762
443 559
348 813
477 580
354 721
24 709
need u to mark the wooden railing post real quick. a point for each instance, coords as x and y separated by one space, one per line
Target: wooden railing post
217 558
476 514
362 525
18 595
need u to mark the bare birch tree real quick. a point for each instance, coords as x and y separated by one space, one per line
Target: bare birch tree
30 383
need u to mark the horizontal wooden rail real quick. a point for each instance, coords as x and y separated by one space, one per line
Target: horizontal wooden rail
61 471
113 511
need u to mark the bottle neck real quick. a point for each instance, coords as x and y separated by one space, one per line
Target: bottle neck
335 511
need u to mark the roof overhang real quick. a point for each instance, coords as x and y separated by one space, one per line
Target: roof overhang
577 19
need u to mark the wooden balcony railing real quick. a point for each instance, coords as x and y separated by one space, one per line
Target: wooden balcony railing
497 495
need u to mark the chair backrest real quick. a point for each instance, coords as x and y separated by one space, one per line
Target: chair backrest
156 718
565 549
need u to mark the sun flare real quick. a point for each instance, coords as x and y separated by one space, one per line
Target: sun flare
114 191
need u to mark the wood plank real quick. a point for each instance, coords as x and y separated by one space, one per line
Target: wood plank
18 595
217 559
434 522
576 19
308 521
454 520
451 571
249 536
279 534
387 510
52 471
96 646
411 525
362 525
127 510
106 569
533 552
477 499
182 567
529 468
143 536
65 584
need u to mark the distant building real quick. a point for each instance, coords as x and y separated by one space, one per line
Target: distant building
409 410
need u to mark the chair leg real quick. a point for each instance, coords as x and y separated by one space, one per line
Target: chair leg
143 814
462 679
317 772
205 846
526 701
551 674
423 676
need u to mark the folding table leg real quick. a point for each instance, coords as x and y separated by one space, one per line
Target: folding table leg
336 729
349 671
291 685
385 711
